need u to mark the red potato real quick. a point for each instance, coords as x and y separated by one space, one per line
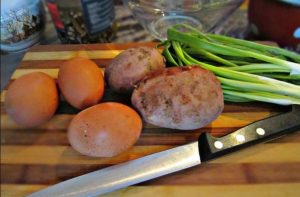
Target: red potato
105 130
132 65
181 98
32 99
81 82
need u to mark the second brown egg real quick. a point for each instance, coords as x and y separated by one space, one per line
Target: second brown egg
81 82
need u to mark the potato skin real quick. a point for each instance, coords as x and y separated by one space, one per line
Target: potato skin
32 99
131 66
105 130
81 82
182 98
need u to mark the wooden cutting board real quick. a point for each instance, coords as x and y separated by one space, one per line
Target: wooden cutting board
32 159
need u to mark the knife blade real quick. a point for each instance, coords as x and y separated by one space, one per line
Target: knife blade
159 164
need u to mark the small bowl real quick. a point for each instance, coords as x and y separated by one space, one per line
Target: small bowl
158 15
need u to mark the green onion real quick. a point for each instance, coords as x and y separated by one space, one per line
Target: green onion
261 68
275 50
231 74
212 47
284 77
232 98
265 97
215 58
168 55
247 71
259 87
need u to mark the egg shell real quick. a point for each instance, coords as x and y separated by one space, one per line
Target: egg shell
32 99
81 82
105 130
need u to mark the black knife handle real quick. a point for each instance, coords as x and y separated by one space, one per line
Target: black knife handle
260 131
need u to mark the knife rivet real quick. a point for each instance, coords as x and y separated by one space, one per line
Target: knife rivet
218 144
260 131
240 138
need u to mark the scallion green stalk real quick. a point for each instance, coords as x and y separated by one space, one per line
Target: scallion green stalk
196 43
265 97
275 50
236 64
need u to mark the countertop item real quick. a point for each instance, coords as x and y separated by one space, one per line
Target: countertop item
158 15
32 159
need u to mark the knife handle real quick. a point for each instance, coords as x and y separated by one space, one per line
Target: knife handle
260 131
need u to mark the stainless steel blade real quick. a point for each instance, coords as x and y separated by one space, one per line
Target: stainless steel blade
126 174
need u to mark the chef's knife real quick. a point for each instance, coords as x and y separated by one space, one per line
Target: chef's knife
172 160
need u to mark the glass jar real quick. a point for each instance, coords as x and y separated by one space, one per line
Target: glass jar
22 24
83 21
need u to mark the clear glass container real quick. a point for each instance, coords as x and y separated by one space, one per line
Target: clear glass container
157 15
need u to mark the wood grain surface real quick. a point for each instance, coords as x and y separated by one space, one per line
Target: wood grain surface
32 159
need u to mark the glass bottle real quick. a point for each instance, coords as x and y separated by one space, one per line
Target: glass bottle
83 21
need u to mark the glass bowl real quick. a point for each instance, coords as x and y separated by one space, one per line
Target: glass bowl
157 15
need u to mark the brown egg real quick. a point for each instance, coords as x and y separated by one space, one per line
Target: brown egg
105 130
81 82
32 99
